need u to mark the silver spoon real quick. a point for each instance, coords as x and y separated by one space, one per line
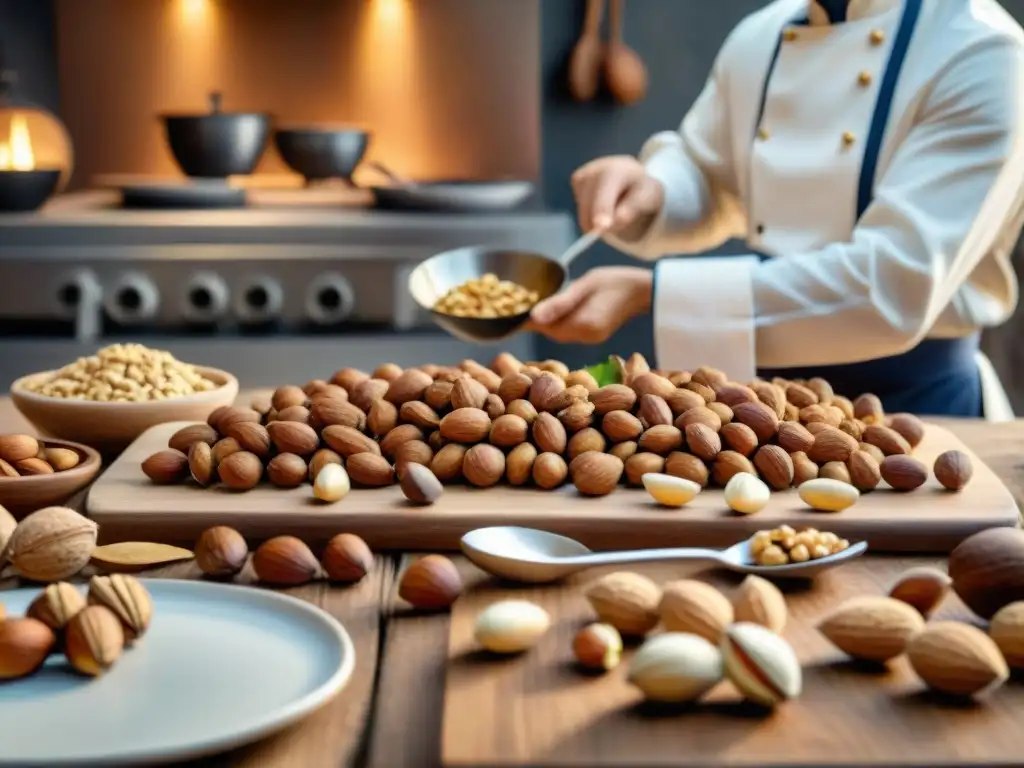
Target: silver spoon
533 556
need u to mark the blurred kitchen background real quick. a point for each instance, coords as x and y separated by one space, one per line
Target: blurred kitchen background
305 279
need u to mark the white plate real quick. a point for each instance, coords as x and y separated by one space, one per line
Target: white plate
220 666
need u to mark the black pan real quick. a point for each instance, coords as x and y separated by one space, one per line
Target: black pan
454 196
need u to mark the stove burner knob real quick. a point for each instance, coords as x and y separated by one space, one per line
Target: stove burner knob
329 299
132 299
259 300
206 298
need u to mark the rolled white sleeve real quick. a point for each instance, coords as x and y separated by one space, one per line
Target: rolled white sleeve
952 189
694 165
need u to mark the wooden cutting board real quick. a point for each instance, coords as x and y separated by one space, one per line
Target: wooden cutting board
127 505
538 709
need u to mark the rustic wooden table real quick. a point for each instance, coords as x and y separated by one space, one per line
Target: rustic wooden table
391 712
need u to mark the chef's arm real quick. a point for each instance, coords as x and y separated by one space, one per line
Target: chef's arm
694 165
948 193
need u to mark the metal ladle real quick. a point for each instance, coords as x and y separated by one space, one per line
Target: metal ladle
434 277
536 557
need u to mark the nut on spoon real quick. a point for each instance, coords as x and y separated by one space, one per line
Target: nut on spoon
536 557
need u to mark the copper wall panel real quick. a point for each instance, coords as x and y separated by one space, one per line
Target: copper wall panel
450 88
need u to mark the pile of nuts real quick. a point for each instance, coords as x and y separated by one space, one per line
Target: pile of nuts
487 297
22 455
123 373
91 630
784 545
541 424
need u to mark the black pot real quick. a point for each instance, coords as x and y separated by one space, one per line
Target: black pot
322 153
217 144
24 191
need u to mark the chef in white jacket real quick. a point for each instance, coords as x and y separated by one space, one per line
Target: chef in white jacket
871 155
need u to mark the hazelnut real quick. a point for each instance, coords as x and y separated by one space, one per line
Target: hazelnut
420 485
596 474
221 551
240 471
166 467
431 583
483 465
549 471
588 439
519 464
286 470
285 561
346 558
953 469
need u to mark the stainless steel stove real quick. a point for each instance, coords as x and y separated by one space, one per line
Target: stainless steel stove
295 285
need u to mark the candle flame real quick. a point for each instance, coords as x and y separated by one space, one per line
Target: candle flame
17 153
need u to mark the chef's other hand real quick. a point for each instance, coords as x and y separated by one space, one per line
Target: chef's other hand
593 307
613 193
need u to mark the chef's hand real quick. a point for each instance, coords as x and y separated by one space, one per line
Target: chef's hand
615 193
593 307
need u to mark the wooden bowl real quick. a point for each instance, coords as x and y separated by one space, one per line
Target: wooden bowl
111 427
21 495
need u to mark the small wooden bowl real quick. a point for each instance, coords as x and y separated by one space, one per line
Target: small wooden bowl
112 427
21 495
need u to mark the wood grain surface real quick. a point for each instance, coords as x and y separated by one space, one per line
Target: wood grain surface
927 520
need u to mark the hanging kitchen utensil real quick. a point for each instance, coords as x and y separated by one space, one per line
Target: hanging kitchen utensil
624 70
447 196
585 61
217 144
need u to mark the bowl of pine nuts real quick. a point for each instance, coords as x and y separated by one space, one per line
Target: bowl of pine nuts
108 399
483 295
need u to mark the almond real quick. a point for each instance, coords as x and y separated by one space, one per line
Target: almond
366 392
439 395
813 414
419 413
793 436
957 659
922 588
15 448
287 470
692 606
549 471
466 425
320 459
682 400
577 416
543 391
299 413
392 441
519 464
508 431
732 394
953 469
33 466
233 415
566 398
688 467
369 469
387 371
240 471
409 386
723 411
792 413
436 441
468 393
889 441
853 427
845 405
759 417
549 435
873 451
412 452
771 395
183 439
872 628
800 396
709 377
738 437
803 468
382 418
222 448
483 465
760 602
348 441
8 470
654 411
661 439
703 441
640 464
627 601
294 437
706 392
729 463
909 427
524 410
200 463
349 378
651 384
699 415
903 473
775 466
822 389
494 407
624 450
254 438
596 474
324 413
619 426
585 440
831 444
1007 630
868 408
613 397
836 470
447 462
166 467
865 473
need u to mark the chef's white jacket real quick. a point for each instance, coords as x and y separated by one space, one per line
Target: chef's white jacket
929 258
